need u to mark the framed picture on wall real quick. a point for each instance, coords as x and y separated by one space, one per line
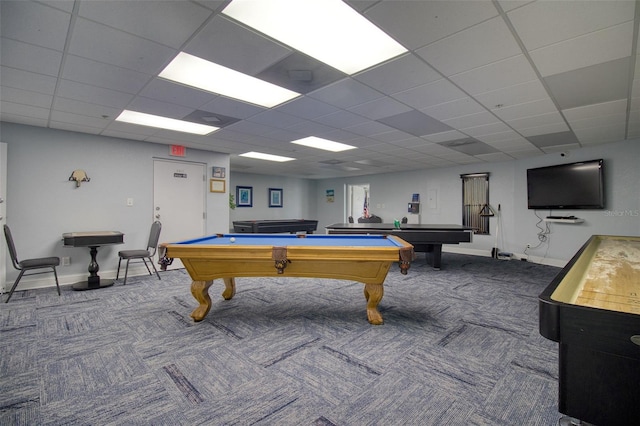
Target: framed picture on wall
217 185
244 196
275 197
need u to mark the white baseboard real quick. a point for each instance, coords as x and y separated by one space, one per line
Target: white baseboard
47 280
559 263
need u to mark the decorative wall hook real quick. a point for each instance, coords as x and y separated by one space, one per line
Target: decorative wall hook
79 176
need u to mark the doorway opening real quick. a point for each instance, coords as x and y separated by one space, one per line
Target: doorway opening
357 201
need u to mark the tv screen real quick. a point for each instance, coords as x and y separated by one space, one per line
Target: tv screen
566 186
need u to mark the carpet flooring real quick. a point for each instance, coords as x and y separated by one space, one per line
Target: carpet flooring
459 346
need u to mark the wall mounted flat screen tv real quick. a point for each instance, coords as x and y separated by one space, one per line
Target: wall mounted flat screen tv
566 186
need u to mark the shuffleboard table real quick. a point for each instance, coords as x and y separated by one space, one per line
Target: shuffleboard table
361 258
275 226
592 309
424 238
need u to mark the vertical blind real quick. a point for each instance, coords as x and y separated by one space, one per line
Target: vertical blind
475 196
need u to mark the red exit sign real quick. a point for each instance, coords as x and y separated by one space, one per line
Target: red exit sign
177 151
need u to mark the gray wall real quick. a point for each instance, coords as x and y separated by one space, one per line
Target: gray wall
507 189
298 198
42 204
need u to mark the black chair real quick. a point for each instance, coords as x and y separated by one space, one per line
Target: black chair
143 254
404 220
29 264
350 219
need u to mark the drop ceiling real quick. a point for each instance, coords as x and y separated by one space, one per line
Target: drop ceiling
482 81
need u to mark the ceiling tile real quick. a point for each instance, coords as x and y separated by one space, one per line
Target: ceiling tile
596 110
415 123
168 91
472 120
221 40
34 23
346 93
104 44
85 108
543 23
543 129
418 23
508 5
469 146
553 139
445 136
306 107
341 119
486 129
591 49
507 72
400 74
26 97
163 109
542 106
231 107
552 118
99 74
453 109
495 157
510 95
590 85
300 73
20 79
78 119
171 23
92 94
30 57
19 109
479 45
379 108
431 94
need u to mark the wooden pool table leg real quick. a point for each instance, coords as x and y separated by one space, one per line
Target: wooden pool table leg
229 288
200 291
373 293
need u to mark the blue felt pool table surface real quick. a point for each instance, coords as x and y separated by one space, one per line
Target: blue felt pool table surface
283 240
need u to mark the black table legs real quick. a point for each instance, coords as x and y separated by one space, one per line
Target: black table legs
93 281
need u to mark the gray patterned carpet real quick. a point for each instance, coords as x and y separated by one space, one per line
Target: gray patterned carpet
459 346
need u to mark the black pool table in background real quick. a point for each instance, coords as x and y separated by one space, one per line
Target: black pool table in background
424 238
291 226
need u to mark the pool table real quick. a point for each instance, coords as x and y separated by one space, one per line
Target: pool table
424 237
362 258
275 226
592 309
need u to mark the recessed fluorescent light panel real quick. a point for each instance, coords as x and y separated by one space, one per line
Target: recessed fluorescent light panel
151 120
325 144
268 157
205 75
328 30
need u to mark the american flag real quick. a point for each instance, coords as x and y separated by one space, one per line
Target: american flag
365 209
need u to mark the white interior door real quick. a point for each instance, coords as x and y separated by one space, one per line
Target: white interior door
356 195
179 201
3 214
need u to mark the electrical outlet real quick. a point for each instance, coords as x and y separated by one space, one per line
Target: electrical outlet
528 245
66 261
